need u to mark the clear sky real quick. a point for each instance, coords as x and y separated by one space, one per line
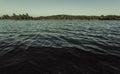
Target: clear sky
54 7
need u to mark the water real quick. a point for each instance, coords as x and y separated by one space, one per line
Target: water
35 42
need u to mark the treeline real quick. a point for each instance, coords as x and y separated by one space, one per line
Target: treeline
59 17
17 17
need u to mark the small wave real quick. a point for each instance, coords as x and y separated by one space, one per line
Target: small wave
57 47
57 60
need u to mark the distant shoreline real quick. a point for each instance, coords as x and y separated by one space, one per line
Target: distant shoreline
59 17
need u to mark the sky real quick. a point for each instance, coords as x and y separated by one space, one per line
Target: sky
55 7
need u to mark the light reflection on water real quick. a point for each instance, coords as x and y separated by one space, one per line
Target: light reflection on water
87 35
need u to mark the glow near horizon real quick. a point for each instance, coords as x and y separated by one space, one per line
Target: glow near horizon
54 7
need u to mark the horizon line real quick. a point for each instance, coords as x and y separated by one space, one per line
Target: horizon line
61 14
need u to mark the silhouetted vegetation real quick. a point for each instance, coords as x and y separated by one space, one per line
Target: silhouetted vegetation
17 17
59 17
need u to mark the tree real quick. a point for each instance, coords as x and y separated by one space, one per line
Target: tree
5 17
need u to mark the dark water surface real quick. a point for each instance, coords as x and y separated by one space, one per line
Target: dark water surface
59 47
